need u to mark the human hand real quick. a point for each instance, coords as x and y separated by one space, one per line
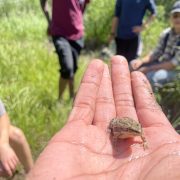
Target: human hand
135 64
138 29
144 69
8 159
83 148
3 172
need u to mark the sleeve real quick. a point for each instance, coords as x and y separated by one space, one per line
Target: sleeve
158 51
118 8
2 109
152 7
176 59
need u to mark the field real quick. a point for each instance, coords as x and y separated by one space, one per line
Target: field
29 72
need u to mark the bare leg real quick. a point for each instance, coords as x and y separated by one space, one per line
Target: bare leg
62 85
71 87
145 144
21 147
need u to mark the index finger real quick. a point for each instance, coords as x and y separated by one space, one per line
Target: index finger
84 104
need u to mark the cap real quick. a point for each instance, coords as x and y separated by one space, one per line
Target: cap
176 7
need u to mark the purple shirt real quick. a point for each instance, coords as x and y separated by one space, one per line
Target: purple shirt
67 18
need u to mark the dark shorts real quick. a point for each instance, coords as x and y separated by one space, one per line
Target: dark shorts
128 47
68 52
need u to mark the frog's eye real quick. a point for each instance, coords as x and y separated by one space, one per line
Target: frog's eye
138 126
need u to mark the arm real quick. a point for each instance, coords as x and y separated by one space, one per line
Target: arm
8 157
156 67
138 29
158 51
4 129
115 20
4 125
152 8
114 25
167 65
44 6
137 63
148 21
155 55
113 28
164 65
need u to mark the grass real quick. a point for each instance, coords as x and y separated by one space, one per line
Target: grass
29 81
29 72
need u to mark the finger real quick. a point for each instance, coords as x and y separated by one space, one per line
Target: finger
12 166
122 88
8 169
15 161
84 104
105 108
148 110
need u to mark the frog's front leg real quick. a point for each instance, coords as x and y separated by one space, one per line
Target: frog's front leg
145 144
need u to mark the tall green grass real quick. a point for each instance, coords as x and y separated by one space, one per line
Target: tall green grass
29 72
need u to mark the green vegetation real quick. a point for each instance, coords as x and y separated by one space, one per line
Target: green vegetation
29 66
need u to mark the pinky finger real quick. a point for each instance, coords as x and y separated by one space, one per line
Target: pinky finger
8 169
12 166
14 162
16 159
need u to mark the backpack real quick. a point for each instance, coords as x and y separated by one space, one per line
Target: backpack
166 40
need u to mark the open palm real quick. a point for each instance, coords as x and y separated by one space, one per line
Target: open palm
84 148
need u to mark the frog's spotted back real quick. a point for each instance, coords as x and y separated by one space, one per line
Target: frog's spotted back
124 126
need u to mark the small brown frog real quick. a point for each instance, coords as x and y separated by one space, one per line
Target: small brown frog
126 128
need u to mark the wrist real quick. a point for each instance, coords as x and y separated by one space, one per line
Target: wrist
140 62
144 60
144 26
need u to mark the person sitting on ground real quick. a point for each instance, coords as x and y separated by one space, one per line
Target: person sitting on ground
67 30
13 146
159 66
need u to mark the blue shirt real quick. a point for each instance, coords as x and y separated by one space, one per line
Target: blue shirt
130 14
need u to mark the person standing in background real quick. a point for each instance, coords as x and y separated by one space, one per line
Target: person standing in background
127 25
66 28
